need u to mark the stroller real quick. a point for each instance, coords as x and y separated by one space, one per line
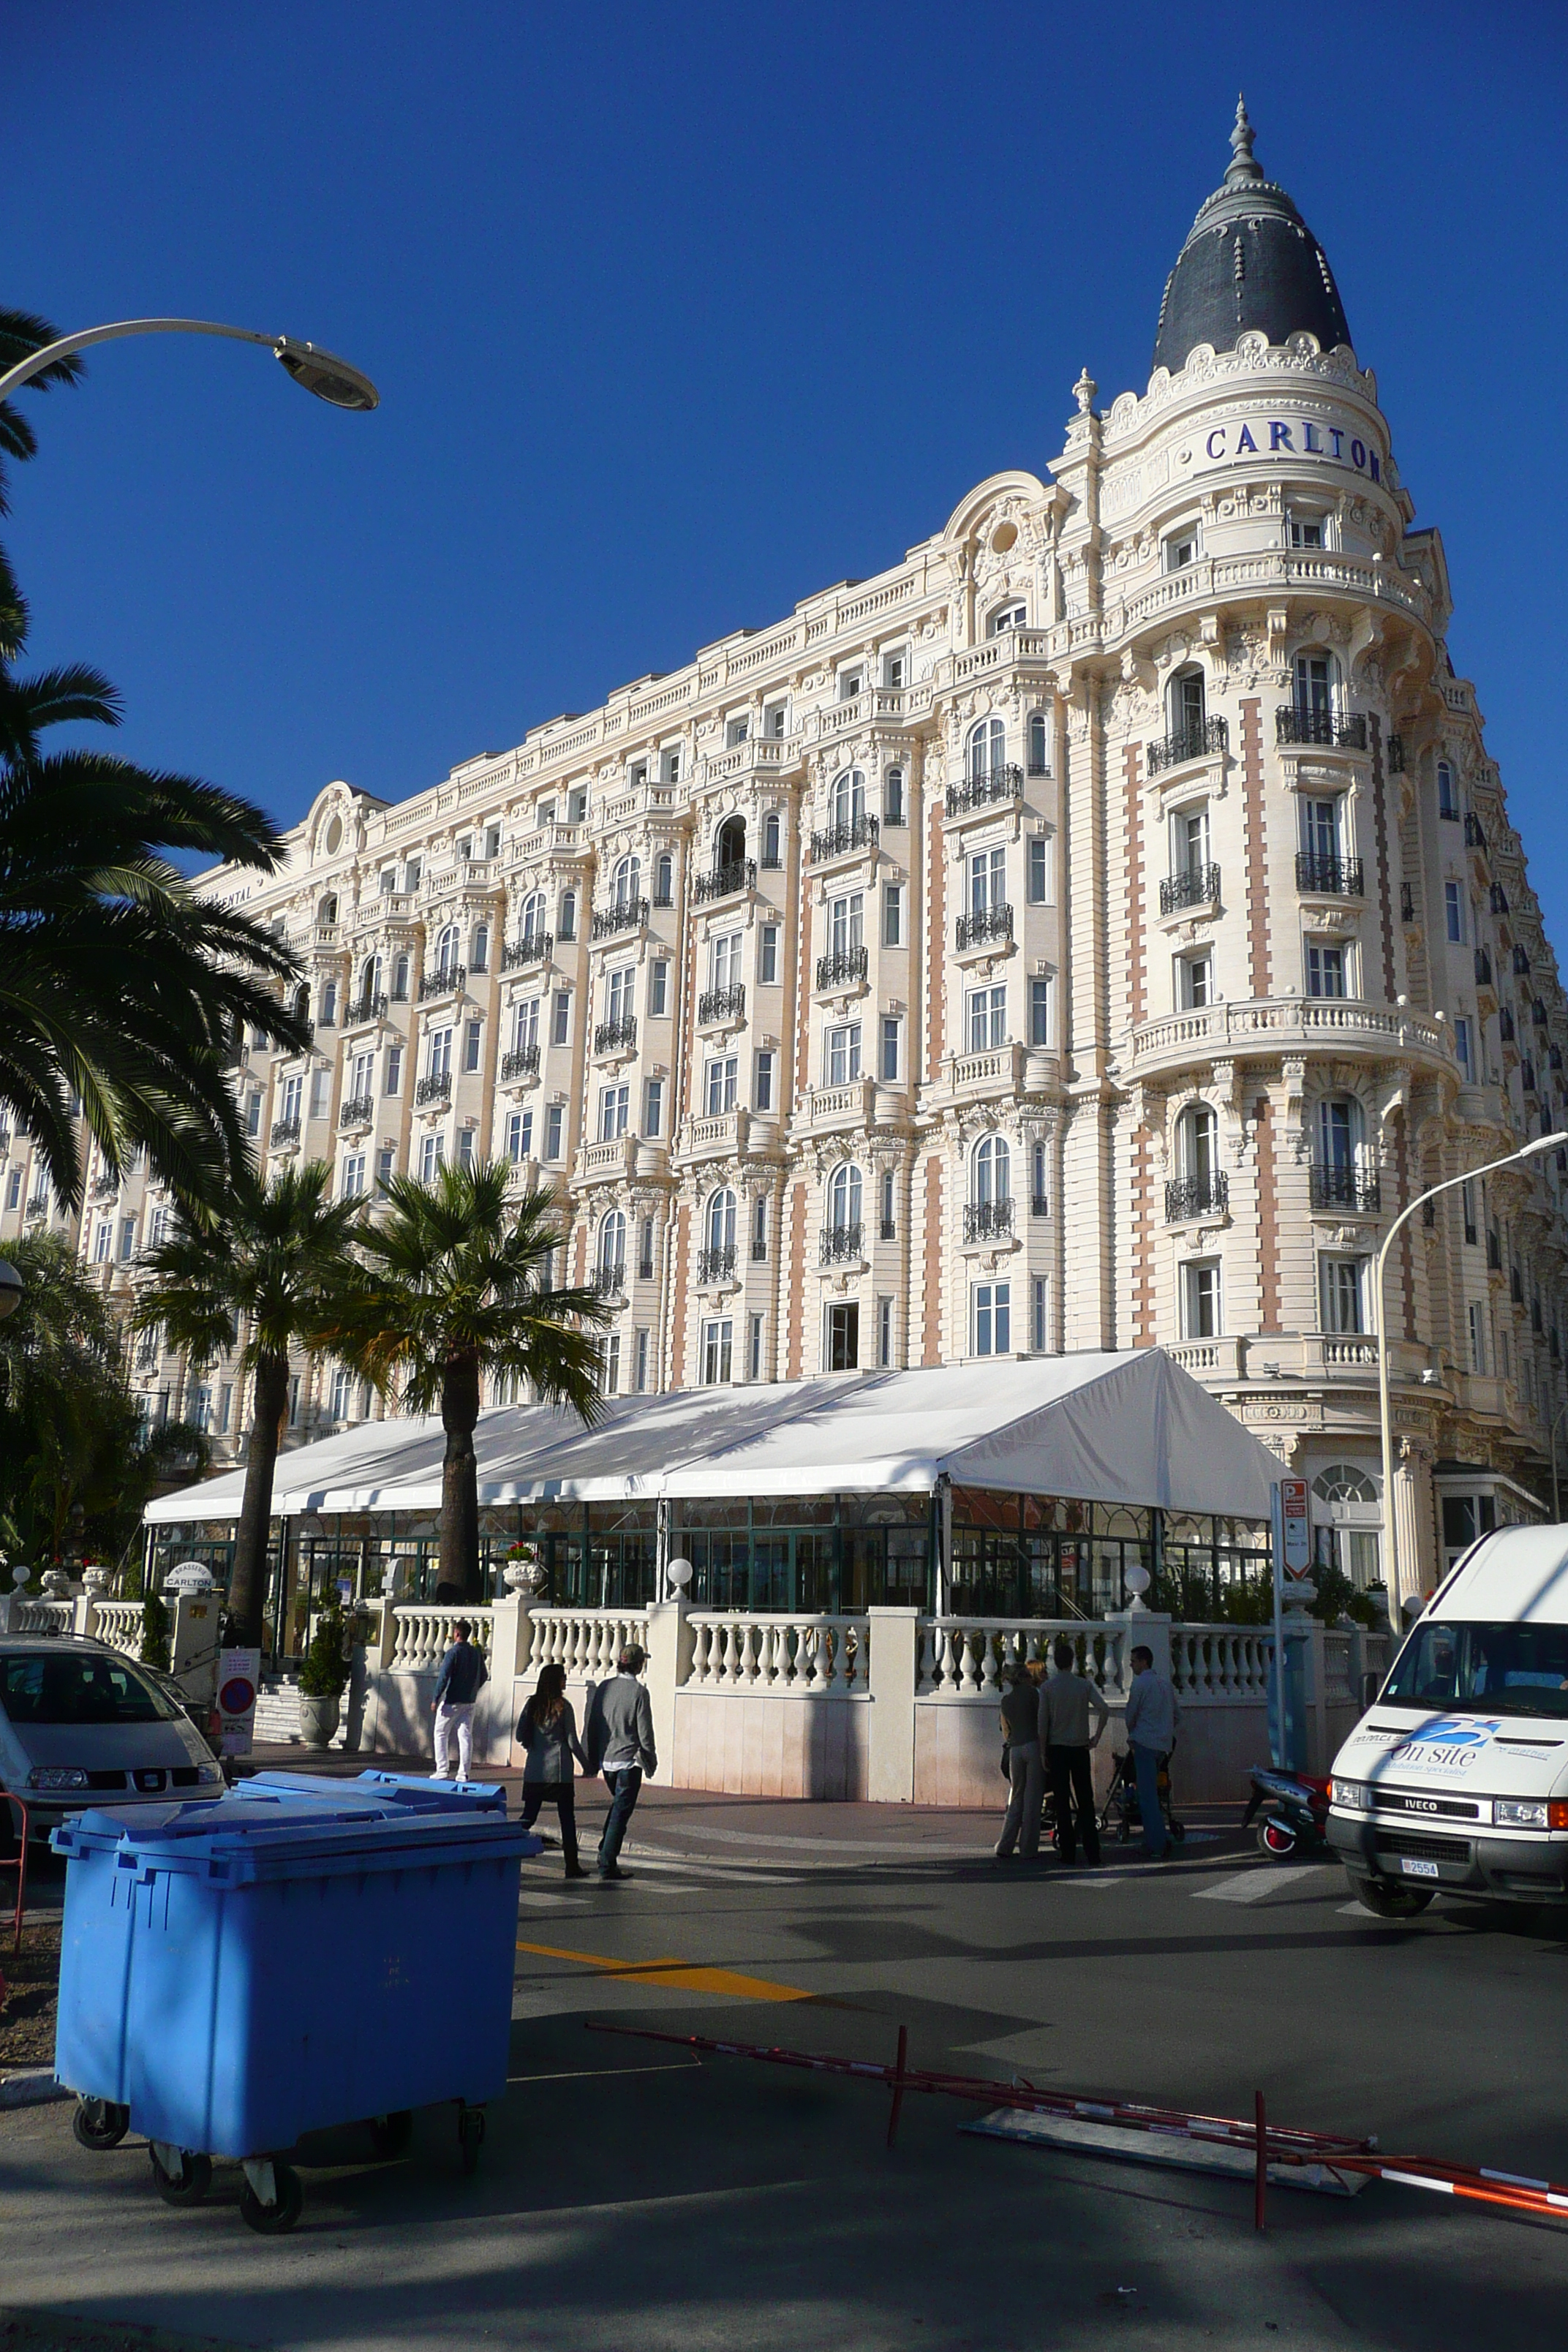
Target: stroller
1121 1802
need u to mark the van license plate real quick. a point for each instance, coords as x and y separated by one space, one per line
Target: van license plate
1414 1869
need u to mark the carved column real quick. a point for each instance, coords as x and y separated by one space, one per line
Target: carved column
1412 1483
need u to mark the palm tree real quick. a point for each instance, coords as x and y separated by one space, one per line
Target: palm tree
120 985
280 1256
455 1286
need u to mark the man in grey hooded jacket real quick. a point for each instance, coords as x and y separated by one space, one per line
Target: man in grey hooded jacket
618 1734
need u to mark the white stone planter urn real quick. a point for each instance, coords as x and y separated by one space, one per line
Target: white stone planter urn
525 1575
319 1720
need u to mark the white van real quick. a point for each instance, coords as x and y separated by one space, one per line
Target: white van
1456 1780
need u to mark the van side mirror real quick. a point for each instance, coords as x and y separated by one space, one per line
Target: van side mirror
1370 1685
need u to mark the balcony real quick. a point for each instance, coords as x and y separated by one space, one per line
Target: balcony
850 833
535 949
436 1088
840 1245
1499 899
1196 1196
1342 731
1198 887
720 1005
358 1111
1505 1026
38 1206
1358 1189
442 983
1474 837
985 923
988 1221
985 791
104 1189
1200 741
1483 968
888 1229
1406 903
1397 755
615 1037
522 1062
845 968
629 916
740 874
608 1281
1327 876
284 1131
716 1265
369 1007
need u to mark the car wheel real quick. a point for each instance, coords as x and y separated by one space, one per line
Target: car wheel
1392 1902
100 2123
1276 1839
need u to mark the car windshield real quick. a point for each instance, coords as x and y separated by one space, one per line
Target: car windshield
1483 1670
58 1686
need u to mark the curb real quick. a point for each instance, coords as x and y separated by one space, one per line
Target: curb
31 2086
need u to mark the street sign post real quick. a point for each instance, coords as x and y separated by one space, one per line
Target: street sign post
1298 1547
239 1678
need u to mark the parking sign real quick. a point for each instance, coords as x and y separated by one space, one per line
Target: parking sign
1298 1526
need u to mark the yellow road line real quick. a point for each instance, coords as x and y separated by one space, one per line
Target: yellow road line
677 1973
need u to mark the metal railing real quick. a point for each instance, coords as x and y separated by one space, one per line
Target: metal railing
986 1221
629 916
1483 968
104 1189
443 982
369 1007
615 1037
850 833
284 1130
721 1004
1327 877
436 1087
535 949
522 1062
739 874
1345 1188
608 1281
845 968
985 923
1196 886
1474 837
716 1265
1199 739
358 1111
839 1243
1004 784
1397 755
1196 1196
1342 730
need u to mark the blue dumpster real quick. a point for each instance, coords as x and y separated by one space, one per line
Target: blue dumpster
303 1952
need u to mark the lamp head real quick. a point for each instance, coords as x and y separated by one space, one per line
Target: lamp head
11 1289
328 377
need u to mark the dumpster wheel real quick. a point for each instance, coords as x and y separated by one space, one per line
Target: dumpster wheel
392 2135
186 2185
100 2123
470 2136
274 2219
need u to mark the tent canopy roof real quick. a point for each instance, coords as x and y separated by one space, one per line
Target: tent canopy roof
1112 1428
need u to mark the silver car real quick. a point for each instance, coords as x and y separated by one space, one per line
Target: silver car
80 1724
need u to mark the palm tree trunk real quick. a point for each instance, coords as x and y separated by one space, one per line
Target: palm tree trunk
247 1586
459 1480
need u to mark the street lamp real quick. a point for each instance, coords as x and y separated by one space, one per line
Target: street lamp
322 373
1385 1415
11 1288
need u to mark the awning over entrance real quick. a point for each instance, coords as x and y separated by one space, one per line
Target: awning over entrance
1131 1427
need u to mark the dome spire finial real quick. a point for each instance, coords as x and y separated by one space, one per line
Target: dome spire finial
1243 167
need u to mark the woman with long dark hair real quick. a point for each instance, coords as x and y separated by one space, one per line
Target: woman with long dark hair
547 1731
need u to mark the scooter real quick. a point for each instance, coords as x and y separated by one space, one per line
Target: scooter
1294 1810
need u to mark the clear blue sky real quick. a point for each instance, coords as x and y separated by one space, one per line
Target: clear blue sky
680 312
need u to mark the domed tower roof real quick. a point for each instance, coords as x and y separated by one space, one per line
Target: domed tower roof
1249 261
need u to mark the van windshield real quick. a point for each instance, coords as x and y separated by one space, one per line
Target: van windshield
1483 1670
60 1688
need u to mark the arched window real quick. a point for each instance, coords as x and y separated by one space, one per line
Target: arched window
612 1244
773 838
1342 1481
720 1225
533 917
987 749
663 879
569 914
400 980
1184 710
1039 762
329 1003
370 979
480 952
843 1198
1448 798
991 1170
628 881
848 796
447 951
893 797
1197 1146
729 842
301 1005
327 912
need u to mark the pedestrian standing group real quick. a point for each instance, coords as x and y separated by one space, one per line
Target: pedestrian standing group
1047 1725
617 1741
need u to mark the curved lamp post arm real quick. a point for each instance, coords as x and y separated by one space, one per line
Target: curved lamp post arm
322 373
1384 1405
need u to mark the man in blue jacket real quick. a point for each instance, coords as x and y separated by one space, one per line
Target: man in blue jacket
461 1679
1152 1714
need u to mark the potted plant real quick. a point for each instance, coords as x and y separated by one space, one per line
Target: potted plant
322 1680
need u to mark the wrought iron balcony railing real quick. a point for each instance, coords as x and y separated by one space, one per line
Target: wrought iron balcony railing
1345 1188
850 833
615 1037
534 948
1343 729
1197 886
368 1007
1327 876
1505 1025
1397 755
104 1189
436 1087
1483 968
845 968
1196 1196
986 1221
716 1265
738 874
358 1111
284 1130
1474 837
630 915
522 1062
1199 740
608 1281
443 982
985 923
1406 903
721 1004
1004 784
841 1242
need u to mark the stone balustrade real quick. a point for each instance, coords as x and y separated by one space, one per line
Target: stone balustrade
586 1642
424 1633
118 1622
781 1653
965 1657
1220 1661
